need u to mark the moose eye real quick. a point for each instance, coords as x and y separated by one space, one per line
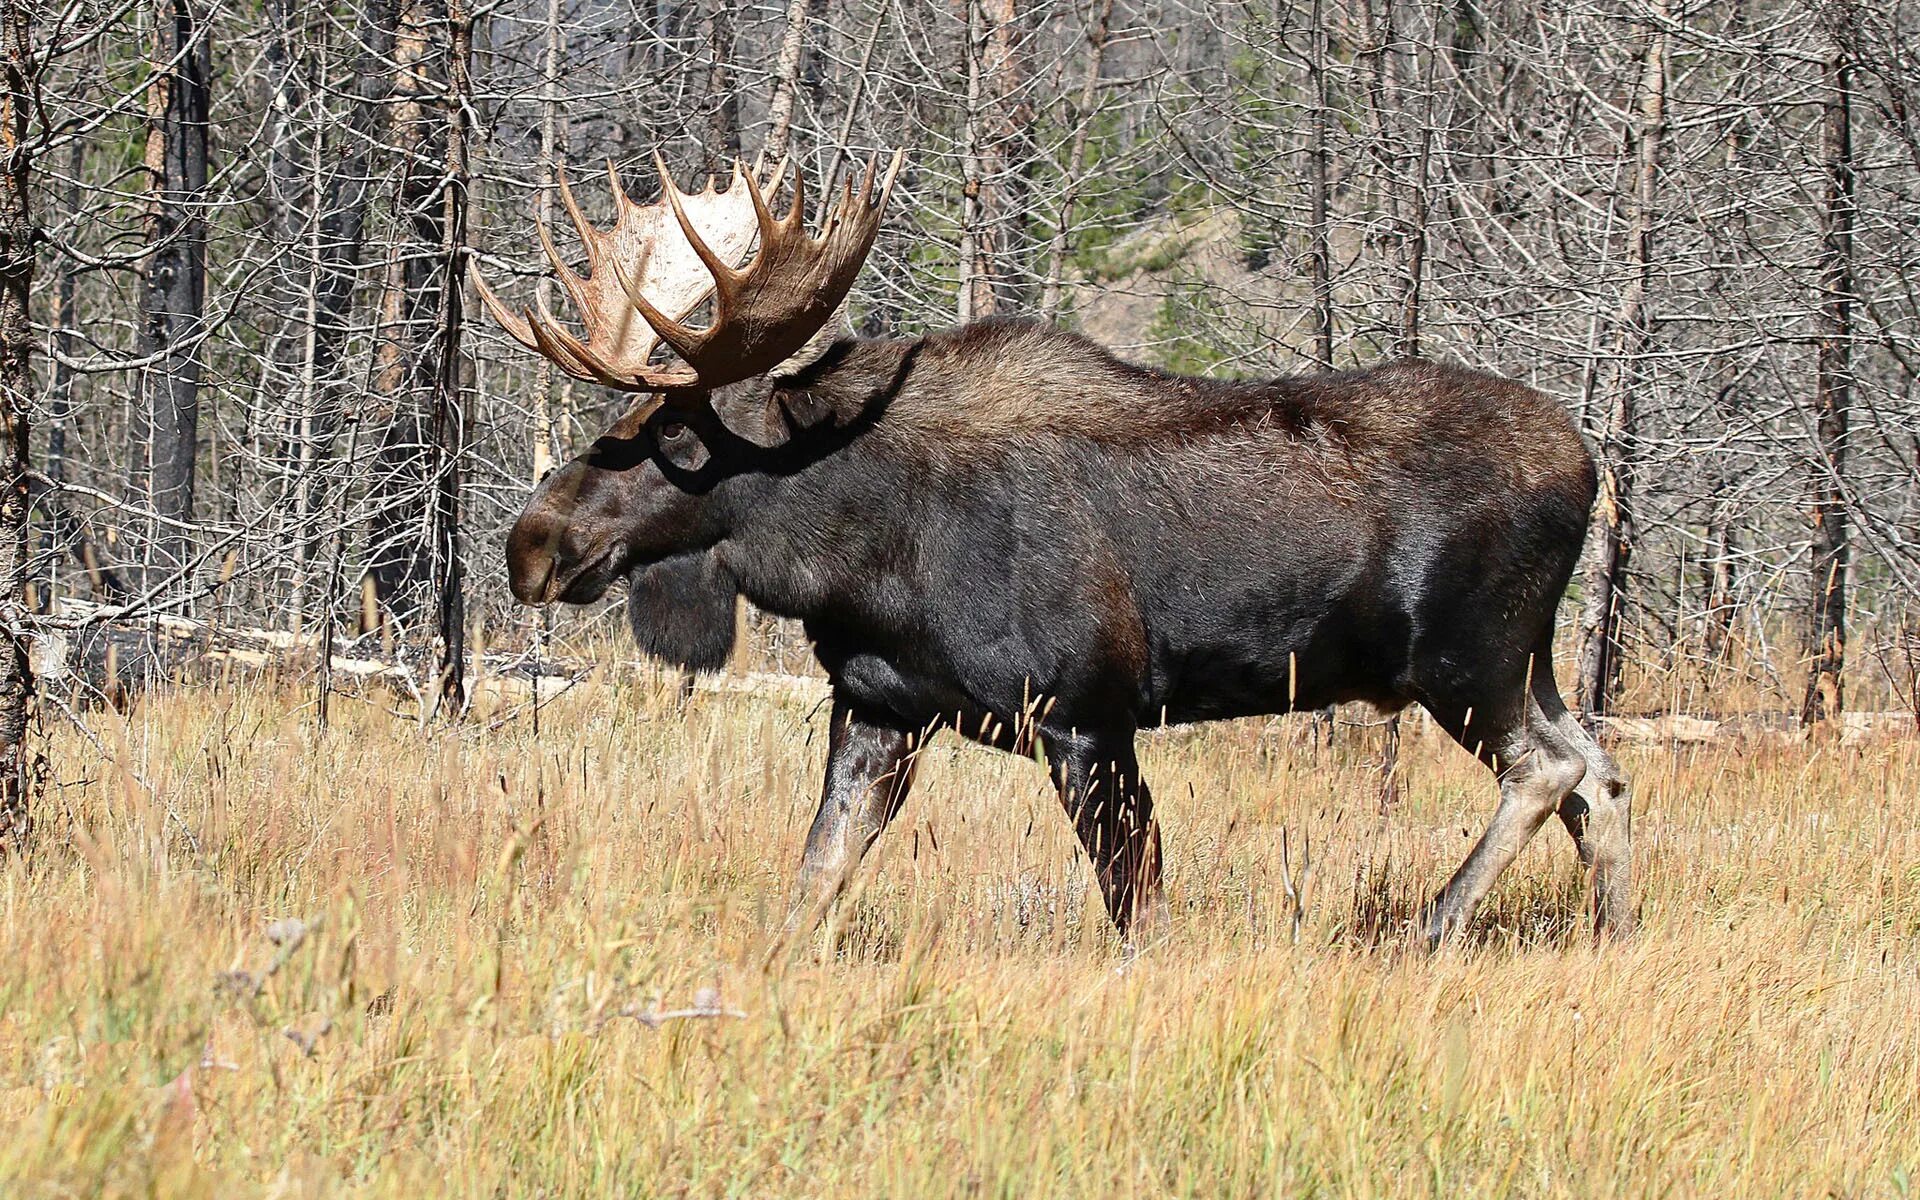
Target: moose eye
671 431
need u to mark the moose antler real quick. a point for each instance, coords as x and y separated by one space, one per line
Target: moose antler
763 312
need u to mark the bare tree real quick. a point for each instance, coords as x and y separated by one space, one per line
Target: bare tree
452 414
1833 383
16 403
1319 237
998 120
165 430
1600 650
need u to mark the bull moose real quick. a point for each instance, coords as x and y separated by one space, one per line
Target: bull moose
1006 531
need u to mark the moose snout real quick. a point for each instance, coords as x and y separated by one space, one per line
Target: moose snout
533 556
565 547
545 542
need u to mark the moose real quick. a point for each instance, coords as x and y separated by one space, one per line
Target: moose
1006 531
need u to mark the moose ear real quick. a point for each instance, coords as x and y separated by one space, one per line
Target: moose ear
682 611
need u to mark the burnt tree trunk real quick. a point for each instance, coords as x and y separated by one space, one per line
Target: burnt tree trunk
1598 684
451 411
164 431
1833 387
16 406
552 140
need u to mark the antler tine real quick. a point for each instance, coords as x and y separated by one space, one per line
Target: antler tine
761 214
622 205
515 325
893 172
797 215
566 351
569 278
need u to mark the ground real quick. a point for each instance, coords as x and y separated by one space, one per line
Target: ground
249 957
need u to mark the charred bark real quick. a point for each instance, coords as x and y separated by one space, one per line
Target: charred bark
164 432
16 406
1319 248
451 431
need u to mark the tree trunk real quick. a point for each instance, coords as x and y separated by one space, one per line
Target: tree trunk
999 121
786 79
166 415
1833 386
1319 248
406 367
451 410
1600 621
16 406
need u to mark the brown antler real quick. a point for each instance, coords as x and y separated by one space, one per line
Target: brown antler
763 312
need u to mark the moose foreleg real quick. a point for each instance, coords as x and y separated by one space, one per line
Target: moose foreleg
869 771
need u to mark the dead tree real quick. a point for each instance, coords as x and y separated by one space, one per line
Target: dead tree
999 120
16 403
1833 385
164 431
1319 246
452 414
1600 621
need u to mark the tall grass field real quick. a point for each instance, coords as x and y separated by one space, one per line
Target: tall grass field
251 957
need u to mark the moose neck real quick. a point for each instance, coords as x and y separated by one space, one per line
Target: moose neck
825 484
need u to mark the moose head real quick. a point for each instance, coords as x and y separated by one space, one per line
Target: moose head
636 504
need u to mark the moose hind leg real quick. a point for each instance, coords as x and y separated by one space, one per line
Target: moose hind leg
1538 767
1112 810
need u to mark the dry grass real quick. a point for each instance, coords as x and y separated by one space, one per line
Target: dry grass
492 914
